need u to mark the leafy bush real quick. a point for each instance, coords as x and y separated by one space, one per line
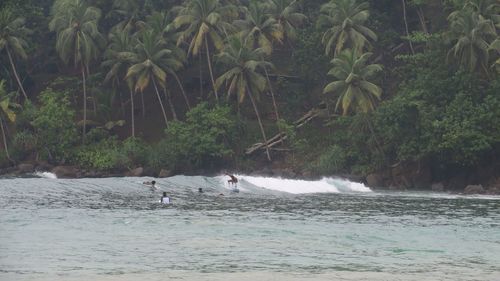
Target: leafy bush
202 140
54 125
25 143
333 160
136 150
105 155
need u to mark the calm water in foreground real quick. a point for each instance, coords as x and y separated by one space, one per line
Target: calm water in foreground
114 229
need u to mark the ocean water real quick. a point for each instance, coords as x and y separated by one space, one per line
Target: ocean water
273 229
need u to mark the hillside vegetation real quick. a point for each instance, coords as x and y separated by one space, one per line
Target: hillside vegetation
189 85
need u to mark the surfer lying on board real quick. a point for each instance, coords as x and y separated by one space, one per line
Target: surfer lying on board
150 184
233 179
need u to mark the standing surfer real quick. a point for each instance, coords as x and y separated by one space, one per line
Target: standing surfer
233 180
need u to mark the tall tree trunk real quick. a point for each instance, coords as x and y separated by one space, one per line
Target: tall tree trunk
421 17
122 105
260 123
170 104
5 140
406 26
210 69
161 103
94 100
272 95
15 73
372 131
84 105
182 89
143 105
201 77
132 112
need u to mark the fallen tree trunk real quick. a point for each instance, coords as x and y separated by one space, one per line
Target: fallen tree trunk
280 137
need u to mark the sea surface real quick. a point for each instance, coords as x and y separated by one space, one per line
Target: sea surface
273 229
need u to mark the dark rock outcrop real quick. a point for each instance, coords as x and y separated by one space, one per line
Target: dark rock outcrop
474 189
164 173
66 171
137 172
375 180
25 168
437 187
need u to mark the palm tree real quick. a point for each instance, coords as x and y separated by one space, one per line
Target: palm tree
6 113
78 38
160 23
12 30
345 21
352 84
150 63
471 35
128 11
242 77
287 17
120 42
201 20
258 28
489 9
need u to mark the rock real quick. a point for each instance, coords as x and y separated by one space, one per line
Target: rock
437 187
65 171
494 188
43 166
149 172
137 172
412 175
284 173
375 180
474 189
164 173
457 182
25 168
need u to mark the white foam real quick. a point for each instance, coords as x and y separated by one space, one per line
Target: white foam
46 175
325 185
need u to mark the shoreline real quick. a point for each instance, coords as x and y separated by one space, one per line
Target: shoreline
29 170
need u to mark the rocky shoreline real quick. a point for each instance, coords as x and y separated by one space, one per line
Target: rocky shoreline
402 177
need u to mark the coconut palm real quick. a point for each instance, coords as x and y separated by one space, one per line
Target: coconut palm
242 77
78 38
489 9
345 21
160 23
152 61
258 28
128 12
120 42
471 35
201 22
12 31
352 85
287 17
6 113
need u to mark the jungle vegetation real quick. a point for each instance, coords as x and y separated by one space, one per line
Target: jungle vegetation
187 85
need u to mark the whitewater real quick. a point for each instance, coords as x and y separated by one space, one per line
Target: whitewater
273 229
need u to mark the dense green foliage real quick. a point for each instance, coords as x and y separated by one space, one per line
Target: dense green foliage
191 84
53 125
201 141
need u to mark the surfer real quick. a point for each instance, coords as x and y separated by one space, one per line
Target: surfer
233 180
165 199
200 190
150 184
